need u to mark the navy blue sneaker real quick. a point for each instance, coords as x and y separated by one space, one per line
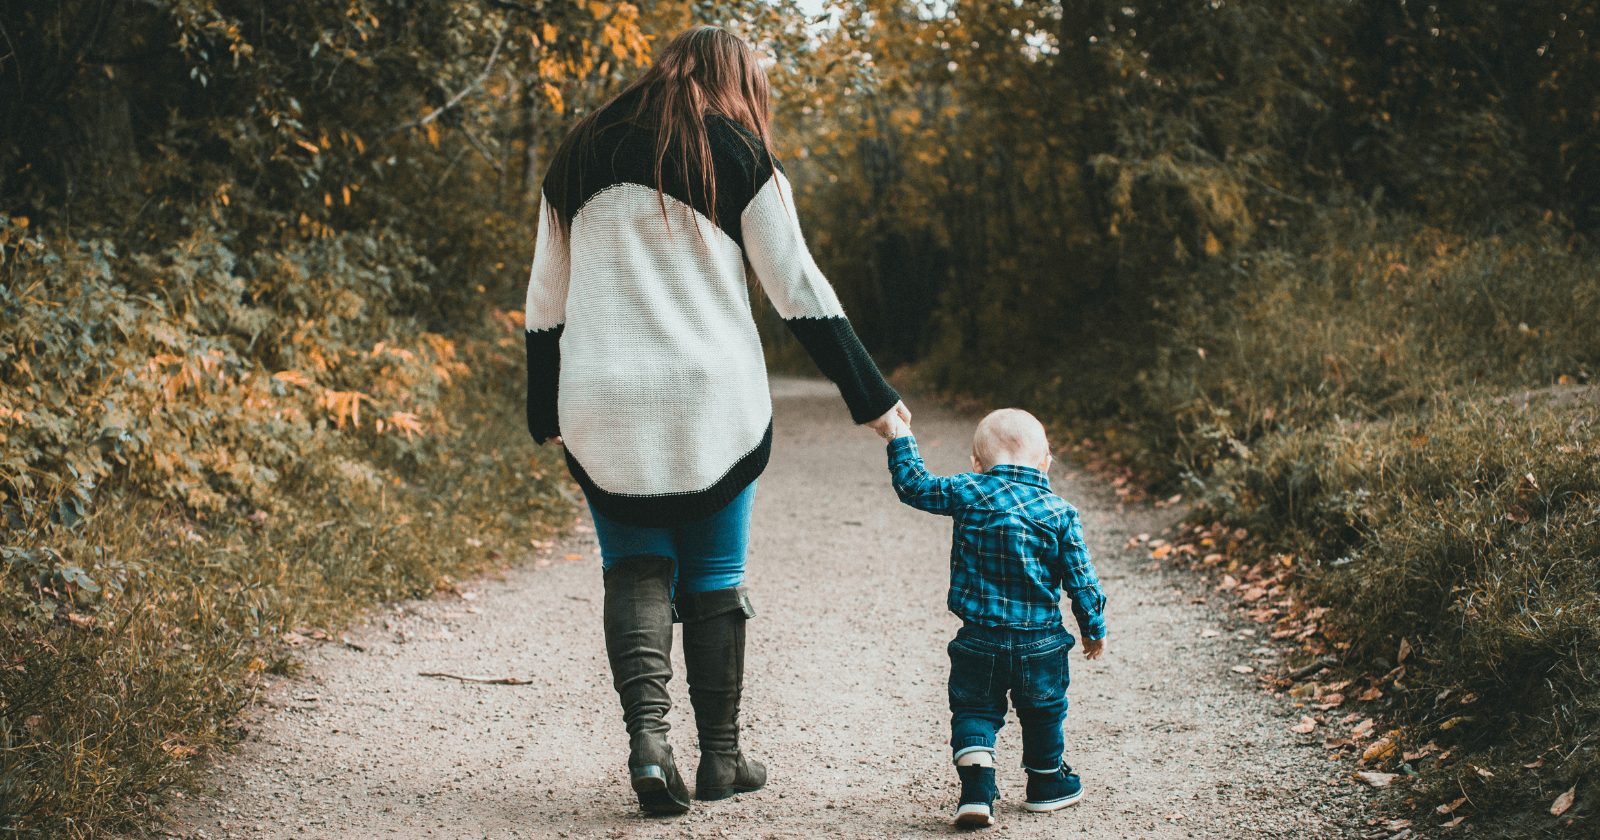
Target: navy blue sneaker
1052 791
978 792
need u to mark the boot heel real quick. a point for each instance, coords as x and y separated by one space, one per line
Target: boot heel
655 794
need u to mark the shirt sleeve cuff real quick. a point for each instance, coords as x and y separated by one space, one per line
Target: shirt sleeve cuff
1092 632
902 448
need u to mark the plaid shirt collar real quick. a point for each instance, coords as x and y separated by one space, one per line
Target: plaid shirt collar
1020 474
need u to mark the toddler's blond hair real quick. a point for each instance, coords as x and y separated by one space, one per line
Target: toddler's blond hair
1010 436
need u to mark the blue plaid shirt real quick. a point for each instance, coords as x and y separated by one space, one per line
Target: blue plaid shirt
1016 547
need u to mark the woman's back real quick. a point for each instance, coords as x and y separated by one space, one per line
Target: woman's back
639 299
659 338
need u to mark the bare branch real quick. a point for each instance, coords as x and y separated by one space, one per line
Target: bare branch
461 94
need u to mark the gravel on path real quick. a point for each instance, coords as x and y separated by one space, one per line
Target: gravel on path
845 702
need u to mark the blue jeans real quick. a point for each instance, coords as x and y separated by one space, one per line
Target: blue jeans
988 662
709 554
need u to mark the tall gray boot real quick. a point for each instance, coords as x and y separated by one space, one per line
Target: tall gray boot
638 622
713 656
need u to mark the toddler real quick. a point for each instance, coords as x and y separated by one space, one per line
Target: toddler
1016 546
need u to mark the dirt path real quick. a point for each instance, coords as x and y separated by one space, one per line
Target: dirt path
846 702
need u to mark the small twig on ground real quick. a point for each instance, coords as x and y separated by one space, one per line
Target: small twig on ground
480 680
1306 671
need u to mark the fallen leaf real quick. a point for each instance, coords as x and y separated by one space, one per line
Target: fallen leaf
1535 764
1330 701
1371 694
1453 823
1380 748
1405 651
1450 807
1243 669
1305 725
1487 774
1563 802
1362 729
1374 778
574 557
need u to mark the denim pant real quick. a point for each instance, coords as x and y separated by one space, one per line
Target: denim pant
988 662
709 554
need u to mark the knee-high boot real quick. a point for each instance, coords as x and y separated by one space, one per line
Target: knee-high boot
638 625
713 654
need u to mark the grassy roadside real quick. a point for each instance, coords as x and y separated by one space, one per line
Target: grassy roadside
126 659
1393 449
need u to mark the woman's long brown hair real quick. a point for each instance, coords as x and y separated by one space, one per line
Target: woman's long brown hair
703 70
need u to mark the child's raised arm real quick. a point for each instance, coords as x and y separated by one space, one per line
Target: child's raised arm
916 486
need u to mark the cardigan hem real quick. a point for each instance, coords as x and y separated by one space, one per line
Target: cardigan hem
667 510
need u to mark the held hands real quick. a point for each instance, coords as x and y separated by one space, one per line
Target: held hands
896 422
1092 649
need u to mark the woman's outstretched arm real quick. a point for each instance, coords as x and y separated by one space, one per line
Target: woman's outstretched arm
545 316
806 301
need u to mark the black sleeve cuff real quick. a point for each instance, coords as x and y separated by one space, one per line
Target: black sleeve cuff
544 373
839 354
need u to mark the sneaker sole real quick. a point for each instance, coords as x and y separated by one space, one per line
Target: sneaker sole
974 816
1052 805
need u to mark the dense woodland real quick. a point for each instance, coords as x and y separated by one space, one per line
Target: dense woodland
1327 271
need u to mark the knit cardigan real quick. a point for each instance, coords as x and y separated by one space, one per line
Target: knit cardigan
642 349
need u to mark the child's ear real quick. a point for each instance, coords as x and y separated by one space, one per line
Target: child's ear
977 466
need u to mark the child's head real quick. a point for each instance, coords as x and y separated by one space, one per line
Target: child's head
1010 436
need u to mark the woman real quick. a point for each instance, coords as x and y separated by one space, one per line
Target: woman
638 319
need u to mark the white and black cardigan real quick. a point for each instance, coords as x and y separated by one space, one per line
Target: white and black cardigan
642 350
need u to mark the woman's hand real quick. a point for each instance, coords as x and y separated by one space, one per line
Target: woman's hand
555 440
896 422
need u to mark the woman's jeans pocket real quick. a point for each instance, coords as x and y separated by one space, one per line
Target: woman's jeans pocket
971 675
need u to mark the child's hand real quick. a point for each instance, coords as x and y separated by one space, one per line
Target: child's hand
1092 648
